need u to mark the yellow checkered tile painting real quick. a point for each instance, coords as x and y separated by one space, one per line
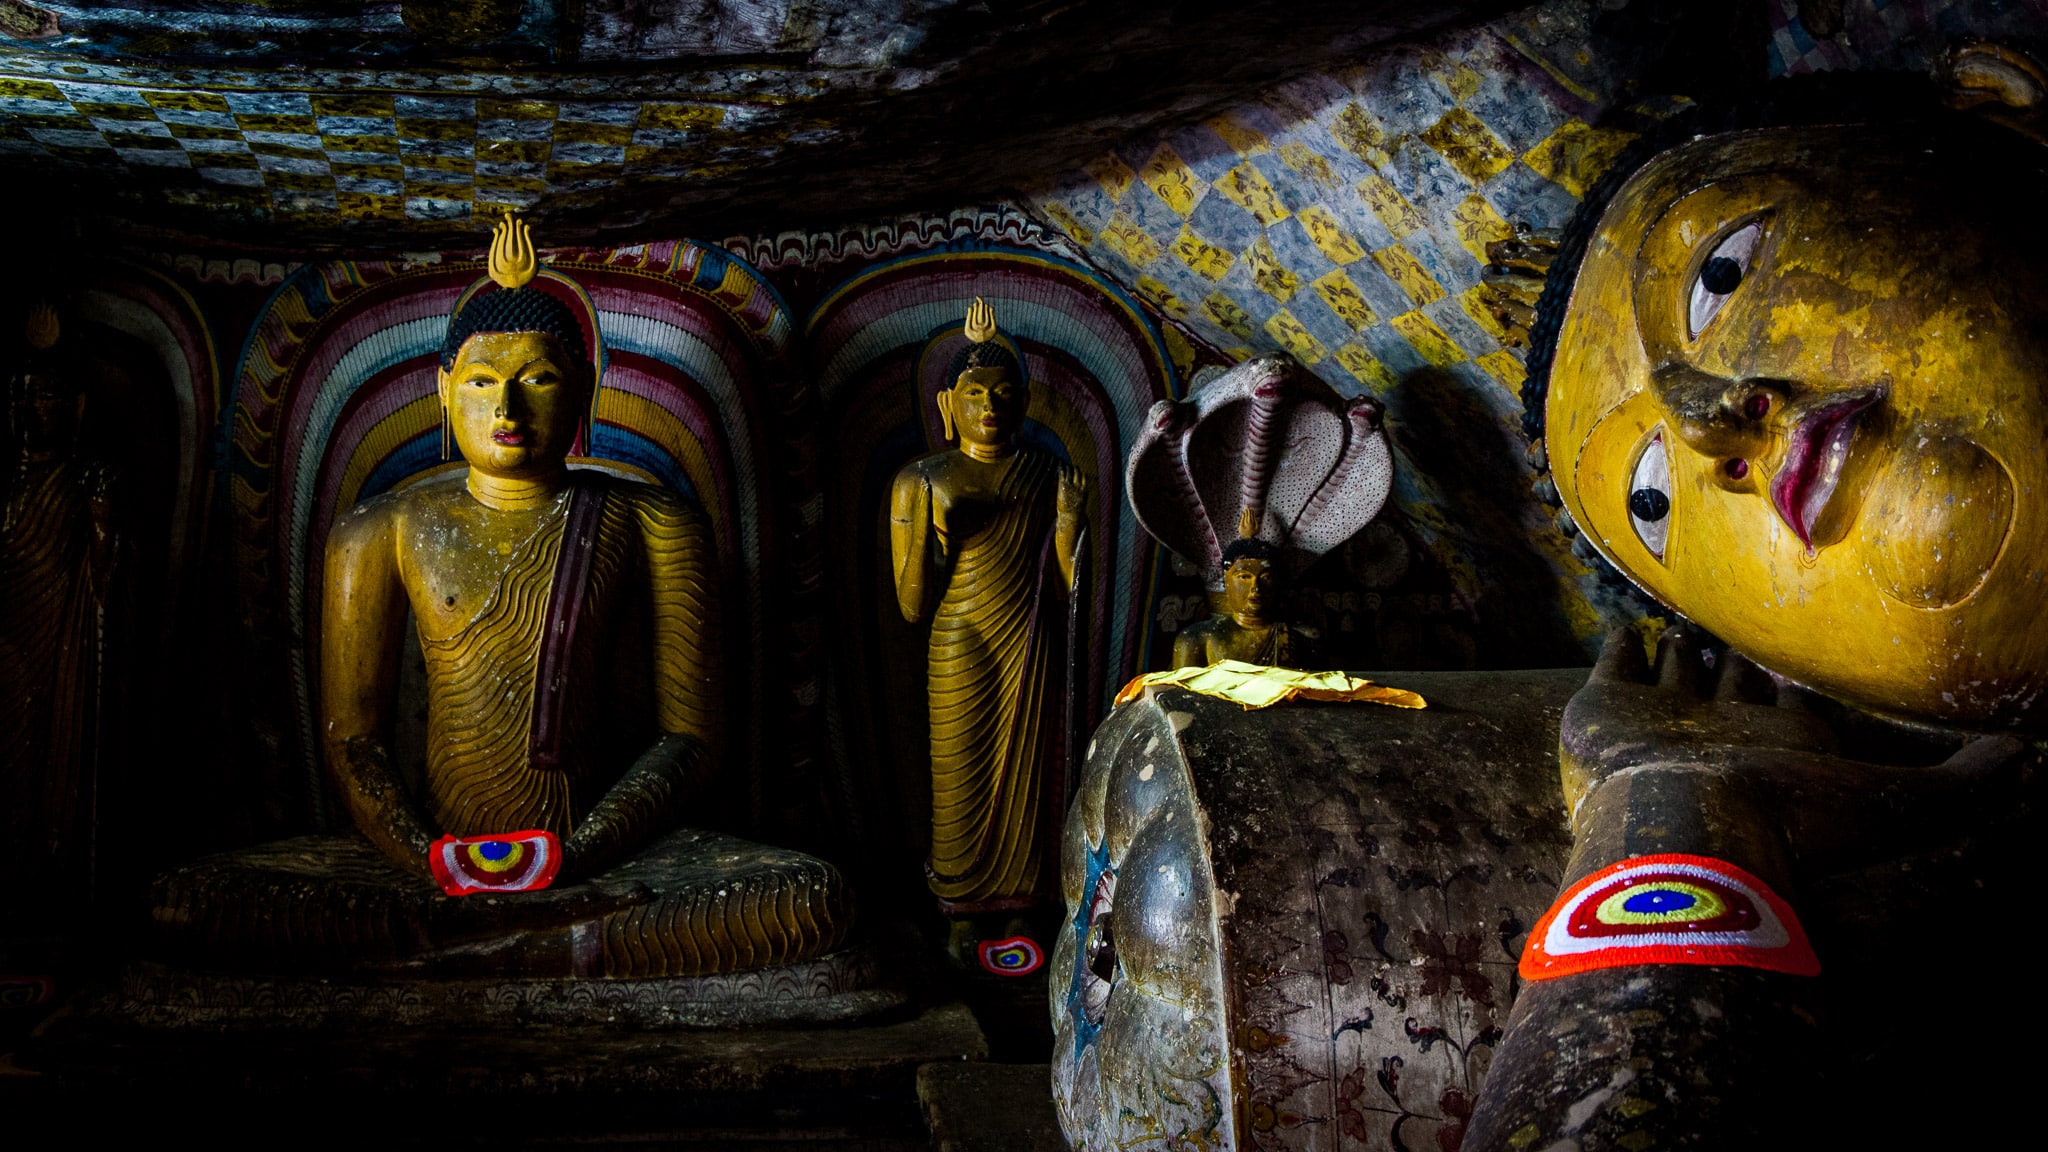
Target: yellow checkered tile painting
356 155
1345 219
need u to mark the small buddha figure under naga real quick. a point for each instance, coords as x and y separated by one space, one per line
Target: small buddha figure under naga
995 527
1252 627
58 553
569 623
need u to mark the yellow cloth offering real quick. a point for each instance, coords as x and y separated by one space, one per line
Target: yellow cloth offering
1258 686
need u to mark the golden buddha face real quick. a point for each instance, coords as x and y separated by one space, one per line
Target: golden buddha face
1798 397
1250 585
48 412
514 401
986 406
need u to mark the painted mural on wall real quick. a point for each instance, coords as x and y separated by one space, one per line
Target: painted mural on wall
449 155
1345 218
1833 35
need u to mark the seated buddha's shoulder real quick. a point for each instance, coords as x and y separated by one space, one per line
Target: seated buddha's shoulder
928 470
388 510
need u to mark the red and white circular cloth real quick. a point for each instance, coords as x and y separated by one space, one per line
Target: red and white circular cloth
512 862
1668 909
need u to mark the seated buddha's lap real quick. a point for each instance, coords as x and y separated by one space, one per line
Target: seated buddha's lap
693 903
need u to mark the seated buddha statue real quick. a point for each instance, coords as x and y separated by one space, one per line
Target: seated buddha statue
1252 627
569 623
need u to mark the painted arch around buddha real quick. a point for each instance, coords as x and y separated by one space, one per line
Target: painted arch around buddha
335 402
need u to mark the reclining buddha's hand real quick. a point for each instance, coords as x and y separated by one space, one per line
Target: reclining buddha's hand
1710 710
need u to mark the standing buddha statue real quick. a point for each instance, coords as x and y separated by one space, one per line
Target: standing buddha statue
58 548
995 527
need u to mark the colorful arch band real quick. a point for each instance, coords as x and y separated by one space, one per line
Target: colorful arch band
1016 956
511 862
1668 909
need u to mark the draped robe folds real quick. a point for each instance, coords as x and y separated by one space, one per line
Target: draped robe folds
995 691
483 771
50 625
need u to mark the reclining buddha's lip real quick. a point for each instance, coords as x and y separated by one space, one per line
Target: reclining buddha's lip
1814 461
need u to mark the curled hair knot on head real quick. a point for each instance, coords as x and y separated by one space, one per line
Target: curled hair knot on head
514 310
1248 548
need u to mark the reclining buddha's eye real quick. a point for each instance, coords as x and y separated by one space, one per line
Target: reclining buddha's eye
1720 275
1649 495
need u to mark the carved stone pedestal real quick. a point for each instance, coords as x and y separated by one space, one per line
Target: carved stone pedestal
829 989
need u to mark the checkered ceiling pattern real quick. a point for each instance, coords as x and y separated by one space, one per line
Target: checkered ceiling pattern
358 156
1345 220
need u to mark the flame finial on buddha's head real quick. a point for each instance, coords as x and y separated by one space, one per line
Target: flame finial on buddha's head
513 262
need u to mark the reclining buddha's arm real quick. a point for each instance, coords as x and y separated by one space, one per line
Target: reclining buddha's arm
361 640
682 583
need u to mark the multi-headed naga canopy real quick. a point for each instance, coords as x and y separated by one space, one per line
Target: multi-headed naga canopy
1264 450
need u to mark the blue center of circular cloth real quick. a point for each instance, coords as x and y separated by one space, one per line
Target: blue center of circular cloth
1659 901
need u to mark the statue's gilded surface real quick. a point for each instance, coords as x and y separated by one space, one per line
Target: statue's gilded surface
1251 627
58 548
994 528
1798 394
530 583
569 626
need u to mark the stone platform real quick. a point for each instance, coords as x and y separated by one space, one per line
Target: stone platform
830 989
692 904
990 1107
851 1086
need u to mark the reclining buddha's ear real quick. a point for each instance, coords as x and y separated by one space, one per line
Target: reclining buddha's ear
945 398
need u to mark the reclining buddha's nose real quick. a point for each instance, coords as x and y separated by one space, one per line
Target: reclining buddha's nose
1728 420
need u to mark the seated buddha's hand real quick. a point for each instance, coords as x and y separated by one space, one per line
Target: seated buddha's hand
1710 709
535 911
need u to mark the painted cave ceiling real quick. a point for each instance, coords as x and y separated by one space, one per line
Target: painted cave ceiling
301 125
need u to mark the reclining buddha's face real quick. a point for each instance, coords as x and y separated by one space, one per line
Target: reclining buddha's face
1799 397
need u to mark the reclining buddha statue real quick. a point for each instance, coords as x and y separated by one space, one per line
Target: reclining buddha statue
569 624
1787 375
